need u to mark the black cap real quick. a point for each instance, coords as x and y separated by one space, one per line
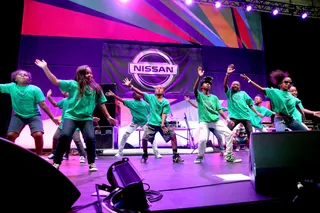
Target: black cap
207 79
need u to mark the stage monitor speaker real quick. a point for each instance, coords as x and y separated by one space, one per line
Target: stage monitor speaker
106 137
29 183
279 160
124 176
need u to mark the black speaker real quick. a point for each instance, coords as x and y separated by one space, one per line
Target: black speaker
106 137
28 183
127 182
114 111
113 87
280 160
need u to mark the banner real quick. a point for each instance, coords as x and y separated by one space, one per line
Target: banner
148 66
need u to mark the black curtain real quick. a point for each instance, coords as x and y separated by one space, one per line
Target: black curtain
292 44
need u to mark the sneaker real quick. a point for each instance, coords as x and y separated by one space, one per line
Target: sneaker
96 158
66 157
247 149
177 159
92 167
55 165
119 154
144 158
50 157
82 159
231 159
157 155
238 149
199 159
222 153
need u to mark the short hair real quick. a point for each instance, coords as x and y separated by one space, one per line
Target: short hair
15 73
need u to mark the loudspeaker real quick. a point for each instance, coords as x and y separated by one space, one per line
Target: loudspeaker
126 180
28 183
114 111
279 160
106 137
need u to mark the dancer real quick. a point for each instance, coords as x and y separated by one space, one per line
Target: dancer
297 115
239 104
282 102
84 94
63 104
139 111
213 130
209 111
159 109
265 112
26 99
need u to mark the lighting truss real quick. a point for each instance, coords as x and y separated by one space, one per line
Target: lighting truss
269 6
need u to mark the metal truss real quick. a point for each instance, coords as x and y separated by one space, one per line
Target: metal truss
269 6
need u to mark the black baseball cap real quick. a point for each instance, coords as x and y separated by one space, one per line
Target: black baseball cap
207 79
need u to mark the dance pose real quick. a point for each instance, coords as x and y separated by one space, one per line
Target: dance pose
25 99
139 111
297 115
213 130
239 104
265 112
63 104
84 94
283 103
159 109
209 111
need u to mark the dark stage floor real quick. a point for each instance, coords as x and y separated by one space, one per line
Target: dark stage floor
185 185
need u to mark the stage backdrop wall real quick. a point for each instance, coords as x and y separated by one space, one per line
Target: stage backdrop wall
71 33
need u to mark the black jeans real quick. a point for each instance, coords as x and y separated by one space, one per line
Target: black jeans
247 125
68 128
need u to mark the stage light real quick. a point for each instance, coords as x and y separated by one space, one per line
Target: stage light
304 15
248 8
124 1
218 4
188 2
275 12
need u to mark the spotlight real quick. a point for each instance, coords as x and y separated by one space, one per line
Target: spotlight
275 12
218 4
249 8
304 15
124 1
188 2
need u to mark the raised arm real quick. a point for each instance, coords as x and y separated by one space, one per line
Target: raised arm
128 84
226 78
253 83
314 113
196 84
110 93
50 99
42 64
187 98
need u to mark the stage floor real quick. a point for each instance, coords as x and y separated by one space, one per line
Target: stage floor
185 185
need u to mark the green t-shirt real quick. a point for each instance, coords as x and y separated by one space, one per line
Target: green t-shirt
24 99
238 105
281 101
63 104
296 114
157 108
139 111
80 108
255 119
208 107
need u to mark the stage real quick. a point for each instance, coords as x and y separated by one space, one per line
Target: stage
185 186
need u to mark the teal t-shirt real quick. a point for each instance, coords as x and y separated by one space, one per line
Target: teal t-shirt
238 105
255 119
296 114
80 108
24 99
208 107
63 104
157 108
281 101
139 111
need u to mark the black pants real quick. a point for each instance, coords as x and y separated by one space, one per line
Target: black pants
247 125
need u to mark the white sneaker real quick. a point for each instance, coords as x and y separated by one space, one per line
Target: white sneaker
55 165
92 167
82 159
50 157
158 155
119 154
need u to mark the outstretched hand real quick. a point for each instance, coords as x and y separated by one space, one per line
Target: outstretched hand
245 77
110 93
187 98
230 68
42 64
127 82
49 93
200 72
